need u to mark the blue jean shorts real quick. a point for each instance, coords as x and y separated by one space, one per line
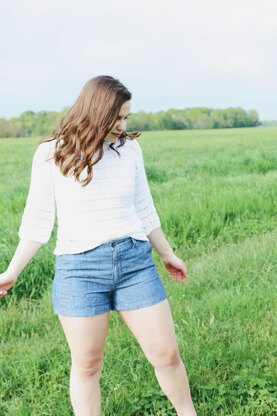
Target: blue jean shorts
117 275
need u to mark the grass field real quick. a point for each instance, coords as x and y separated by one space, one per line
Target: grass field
216 194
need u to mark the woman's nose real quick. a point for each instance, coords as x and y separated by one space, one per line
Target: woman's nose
120 125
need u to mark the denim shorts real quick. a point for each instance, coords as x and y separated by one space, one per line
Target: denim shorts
117 275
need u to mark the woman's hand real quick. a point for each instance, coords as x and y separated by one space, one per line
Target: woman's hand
176 267
6 282
25 250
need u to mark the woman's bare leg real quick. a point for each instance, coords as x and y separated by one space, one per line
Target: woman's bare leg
153 328
86 339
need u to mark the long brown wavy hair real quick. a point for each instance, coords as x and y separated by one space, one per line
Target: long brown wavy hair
85 125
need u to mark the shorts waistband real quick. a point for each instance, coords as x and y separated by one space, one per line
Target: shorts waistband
118 241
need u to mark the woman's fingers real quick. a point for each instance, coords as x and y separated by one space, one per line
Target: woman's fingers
3 293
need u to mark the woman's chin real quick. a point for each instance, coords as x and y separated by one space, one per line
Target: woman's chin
111 139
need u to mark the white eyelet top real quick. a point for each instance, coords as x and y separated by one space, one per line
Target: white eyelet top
116 203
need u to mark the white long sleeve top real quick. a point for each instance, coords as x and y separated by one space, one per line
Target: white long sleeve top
116 203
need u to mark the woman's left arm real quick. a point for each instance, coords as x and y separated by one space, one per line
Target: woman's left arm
175 266
150 220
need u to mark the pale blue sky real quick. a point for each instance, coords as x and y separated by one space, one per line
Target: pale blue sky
169 53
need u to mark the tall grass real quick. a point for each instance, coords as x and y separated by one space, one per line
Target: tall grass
215 192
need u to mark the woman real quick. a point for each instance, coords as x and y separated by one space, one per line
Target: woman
91 172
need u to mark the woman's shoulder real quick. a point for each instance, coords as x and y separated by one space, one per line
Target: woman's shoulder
45 149
133 144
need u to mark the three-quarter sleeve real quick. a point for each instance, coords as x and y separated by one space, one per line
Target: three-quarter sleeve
39 213
144 203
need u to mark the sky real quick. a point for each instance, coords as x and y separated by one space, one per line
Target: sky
168 53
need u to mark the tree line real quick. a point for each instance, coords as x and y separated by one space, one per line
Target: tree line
41 123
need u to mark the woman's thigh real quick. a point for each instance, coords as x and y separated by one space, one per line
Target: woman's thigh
153 327
86 338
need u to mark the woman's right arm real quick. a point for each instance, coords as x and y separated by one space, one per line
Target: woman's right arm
37 220
25 250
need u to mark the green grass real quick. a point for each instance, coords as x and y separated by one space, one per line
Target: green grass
216 195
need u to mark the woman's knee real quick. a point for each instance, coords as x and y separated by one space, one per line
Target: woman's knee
87 368
164 356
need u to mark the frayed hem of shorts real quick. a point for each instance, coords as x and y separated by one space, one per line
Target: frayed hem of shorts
80 314
141 306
